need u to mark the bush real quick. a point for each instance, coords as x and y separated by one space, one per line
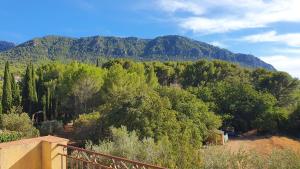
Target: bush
127 144
86 126
6 136
220 158
50 127
19 123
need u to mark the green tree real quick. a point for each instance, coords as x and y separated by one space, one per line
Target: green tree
29 95
282 86
7 99
151 79
15 92
239 104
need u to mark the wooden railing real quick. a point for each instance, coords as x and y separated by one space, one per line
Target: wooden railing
79 158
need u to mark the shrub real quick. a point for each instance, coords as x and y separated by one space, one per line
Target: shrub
50 127
19 123
86 126
220 158
6 136
127 144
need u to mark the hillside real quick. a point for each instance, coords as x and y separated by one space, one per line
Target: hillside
6 45
162 48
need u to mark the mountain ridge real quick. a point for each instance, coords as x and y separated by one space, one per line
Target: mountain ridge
5 45
163 48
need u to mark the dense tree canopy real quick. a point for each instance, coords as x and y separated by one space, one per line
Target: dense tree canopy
179 103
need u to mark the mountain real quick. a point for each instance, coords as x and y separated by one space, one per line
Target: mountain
6 45
164 48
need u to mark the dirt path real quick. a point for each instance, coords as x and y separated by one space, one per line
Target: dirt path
263 145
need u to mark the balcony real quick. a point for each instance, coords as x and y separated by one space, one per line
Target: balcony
51 152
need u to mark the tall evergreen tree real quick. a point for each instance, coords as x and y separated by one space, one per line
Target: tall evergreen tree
40 89
7 99
97 62
15 91
29 95
151 77
34 89
26 90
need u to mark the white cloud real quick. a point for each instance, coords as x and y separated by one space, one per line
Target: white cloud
285 63
219 44
291 39
289 51
215 16
181 5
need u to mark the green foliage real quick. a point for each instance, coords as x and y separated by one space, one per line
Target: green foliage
241 102
163 153
50 127
282 86
173 104
192 112
86 126
29 94
7 98
6 136
220 158
15 91
19 122
151 79
272 121
294 122
204 72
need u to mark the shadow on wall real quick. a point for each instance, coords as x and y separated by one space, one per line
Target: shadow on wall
36 153
31 159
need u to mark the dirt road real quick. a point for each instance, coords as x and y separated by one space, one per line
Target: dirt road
263 145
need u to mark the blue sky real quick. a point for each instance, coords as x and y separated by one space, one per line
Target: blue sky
269 29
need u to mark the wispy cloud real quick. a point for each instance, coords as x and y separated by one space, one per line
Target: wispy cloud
287 51
179 5
290 39
217 16
285 63
219 44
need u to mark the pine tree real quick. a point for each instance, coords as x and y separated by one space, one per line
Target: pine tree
7 92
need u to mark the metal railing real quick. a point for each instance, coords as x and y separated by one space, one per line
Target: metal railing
79 158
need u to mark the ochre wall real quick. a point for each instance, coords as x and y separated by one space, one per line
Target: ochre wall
36 153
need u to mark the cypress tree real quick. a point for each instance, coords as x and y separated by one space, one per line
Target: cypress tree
7 93
48 103
97 64
40 90
15 92
151 77
26 90
44 107
34 91
29 95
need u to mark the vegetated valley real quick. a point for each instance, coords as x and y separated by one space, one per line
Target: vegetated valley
157 101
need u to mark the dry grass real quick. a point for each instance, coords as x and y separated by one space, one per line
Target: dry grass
263 145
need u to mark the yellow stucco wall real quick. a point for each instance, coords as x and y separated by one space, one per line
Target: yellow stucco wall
36 153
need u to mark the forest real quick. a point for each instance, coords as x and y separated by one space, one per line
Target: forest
167 108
